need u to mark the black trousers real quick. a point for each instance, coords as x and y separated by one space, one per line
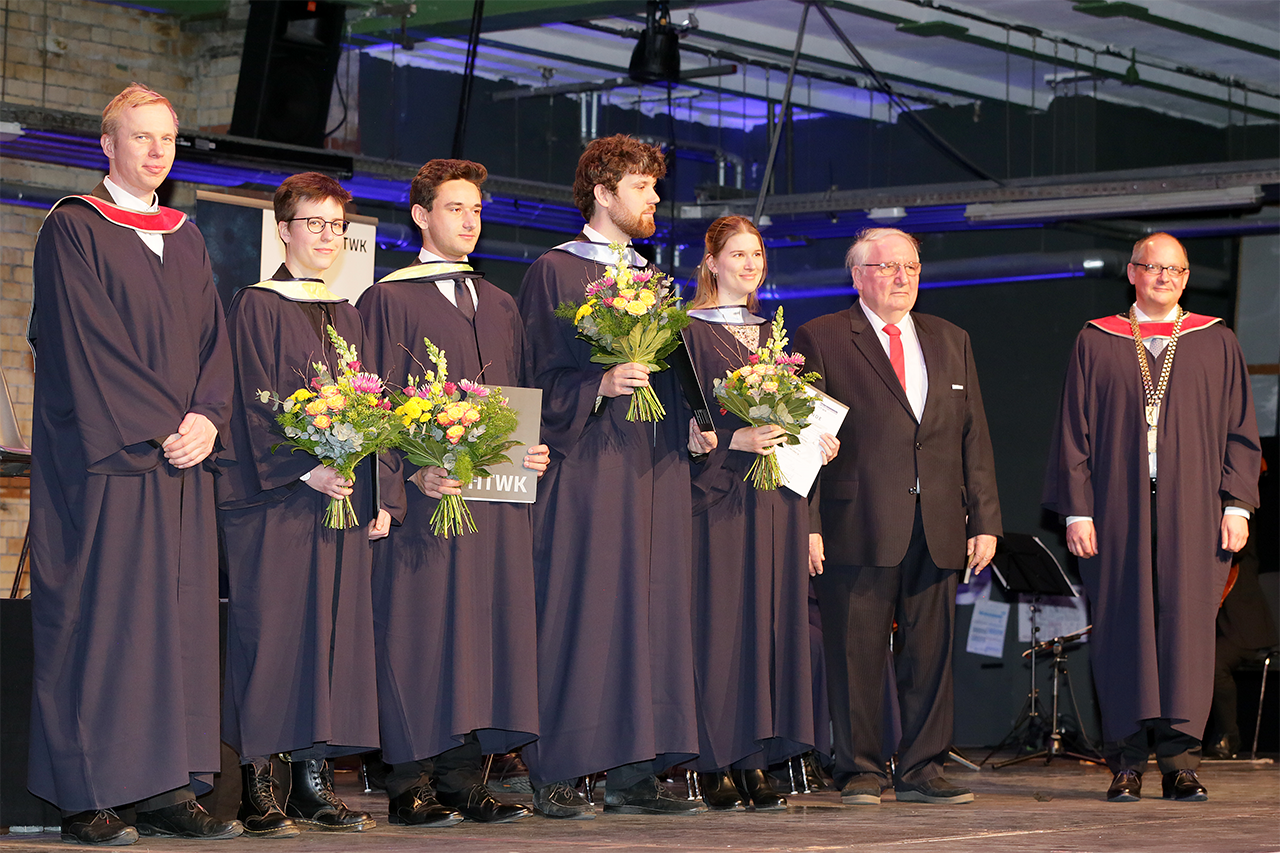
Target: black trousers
453 771
859 605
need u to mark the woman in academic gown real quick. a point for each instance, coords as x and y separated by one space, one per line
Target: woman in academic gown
750 547
300 677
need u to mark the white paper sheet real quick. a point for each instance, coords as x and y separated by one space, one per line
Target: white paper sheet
800 463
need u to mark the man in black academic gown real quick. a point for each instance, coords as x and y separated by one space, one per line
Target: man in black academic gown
1176 408
133 391
453 616
612 525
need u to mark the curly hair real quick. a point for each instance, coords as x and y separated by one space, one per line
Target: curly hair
307 186
436 172
720 232
606 161
134 95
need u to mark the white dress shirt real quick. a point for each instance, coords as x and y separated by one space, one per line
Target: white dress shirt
123 198
917 386
446 284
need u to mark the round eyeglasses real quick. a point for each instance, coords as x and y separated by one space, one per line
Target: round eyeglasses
316 225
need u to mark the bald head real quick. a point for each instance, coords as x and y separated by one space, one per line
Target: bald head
1158 273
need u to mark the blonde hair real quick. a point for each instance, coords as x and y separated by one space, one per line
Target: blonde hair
134 95
720 232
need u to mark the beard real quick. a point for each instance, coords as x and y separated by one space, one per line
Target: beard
635 227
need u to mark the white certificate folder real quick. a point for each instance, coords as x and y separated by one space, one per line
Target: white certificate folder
511 481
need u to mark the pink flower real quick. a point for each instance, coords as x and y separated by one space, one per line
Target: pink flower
384 404
472 388
410 391
366 383
753 359
450 389
353 366
641 276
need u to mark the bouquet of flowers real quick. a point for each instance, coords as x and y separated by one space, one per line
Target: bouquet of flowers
769 389
338 421
462 434
630 315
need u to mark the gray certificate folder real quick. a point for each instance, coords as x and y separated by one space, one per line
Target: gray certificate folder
511 481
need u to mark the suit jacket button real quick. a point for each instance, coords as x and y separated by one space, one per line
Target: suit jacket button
912 490
919 446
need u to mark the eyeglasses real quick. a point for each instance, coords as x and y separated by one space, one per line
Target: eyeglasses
1156 269
889 269
316 225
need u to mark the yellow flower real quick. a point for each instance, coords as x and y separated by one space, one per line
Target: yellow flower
647 297
582 312
455 434
637 308
300 395
316 407
329 391
337 402
626 292
321 421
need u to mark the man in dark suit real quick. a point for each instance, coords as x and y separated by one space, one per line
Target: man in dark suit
908 503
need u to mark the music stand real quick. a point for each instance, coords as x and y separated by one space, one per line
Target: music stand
1023 565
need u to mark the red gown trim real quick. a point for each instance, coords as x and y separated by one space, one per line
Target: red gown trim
1118 324
165 220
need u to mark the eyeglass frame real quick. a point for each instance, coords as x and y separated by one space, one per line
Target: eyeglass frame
890 269
1156 269
332 223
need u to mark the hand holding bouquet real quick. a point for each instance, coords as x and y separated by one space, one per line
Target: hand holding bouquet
462 435
630 315
338 421
769 389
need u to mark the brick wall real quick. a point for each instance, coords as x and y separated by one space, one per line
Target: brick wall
77 55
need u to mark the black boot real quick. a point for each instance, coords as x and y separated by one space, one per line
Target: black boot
755 789
718 791
313 803
259 812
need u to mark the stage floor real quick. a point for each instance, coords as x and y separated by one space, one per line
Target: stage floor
1059 808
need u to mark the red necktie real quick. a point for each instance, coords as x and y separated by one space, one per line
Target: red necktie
896 357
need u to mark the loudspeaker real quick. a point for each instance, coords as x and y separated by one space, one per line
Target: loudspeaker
291 52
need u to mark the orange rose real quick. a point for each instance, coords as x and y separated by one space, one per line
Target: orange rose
455 434
321 421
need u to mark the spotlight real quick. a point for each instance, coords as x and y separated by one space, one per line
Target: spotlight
656 58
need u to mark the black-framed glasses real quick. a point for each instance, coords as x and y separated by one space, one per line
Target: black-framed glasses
316 225
1156 269
889 269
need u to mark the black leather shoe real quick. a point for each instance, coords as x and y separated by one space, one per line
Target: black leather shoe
862 790
313 803
102 827
419 807
476 803
1126 787
648 797
1183 786
562 800
186 820
718 791
260 812
936 790
754 788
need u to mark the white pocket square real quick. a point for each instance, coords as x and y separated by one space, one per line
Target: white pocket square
957 387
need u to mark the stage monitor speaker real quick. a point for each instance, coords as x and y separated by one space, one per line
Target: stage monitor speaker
291 52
